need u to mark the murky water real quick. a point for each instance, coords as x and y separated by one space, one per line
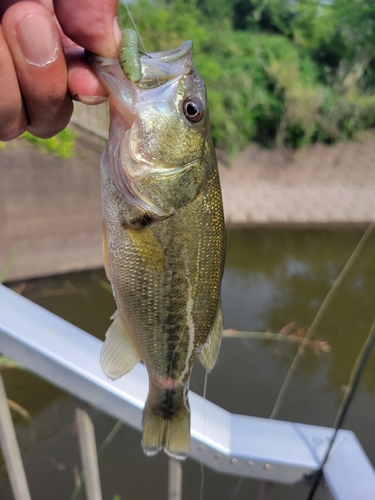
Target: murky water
272 278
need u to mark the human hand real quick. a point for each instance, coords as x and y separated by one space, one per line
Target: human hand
42 61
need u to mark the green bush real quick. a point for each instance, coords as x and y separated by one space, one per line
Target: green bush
278 72
61 145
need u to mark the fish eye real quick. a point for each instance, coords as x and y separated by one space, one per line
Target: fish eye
193 109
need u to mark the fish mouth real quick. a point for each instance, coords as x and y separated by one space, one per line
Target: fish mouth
160 67
174 54
160 76
156 68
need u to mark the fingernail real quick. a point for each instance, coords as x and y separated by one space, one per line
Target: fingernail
89 99
117 32
37 40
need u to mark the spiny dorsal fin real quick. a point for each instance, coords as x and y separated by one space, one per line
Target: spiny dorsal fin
208 354
118 355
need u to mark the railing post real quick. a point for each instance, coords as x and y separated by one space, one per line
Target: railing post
11 451
174 479
89 457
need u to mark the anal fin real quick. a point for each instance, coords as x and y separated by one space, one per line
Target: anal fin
210 349
118 355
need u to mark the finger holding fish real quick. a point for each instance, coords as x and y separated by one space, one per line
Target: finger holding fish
33 43
42 68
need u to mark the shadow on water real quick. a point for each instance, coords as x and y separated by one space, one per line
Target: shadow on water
272 277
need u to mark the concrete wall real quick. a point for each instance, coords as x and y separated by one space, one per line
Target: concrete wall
50 209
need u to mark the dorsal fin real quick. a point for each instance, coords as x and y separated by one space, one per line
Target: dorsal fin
209 352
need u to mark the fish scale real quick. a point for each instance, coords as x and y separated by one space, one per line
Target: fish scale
163 235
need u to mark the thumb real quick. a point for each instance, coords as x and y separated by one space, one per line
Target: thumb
90 24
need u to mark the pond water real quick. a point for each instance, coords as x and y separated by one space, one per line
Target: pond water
272 278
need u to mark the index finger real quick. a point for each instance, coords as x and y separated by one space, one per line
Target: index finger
90 24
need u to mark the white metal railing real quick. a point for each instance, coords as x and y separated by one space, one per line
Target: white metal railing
264 449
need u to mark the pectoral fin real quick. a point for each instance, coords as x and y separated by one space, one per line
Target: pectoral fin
149 248
208 354
118 355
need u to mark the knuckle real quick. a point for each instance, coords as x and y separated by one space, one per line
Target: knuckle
51 121
49 95
12 129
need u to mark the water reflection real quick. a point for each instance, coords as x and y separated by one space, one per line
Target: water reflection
282 276
272 277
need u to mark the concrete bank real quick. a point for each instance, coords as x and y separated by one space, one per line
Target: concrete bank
316 186
50 212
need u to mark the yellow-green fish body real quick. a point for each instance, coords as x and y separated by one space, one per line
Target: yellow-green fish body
163 234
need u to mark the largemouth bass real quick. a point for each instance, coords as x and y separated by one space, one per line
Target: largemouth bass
163 232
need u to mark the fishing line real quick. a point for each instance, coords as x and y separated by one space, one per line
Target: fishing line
135 26
144 52
319 315
204 399
354 379
237 488
293 367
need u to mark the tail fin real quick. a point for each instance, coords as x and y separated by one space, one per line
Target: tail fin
166 423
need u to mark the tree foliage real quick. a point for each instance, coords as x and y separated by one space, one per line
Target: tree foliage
281 72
